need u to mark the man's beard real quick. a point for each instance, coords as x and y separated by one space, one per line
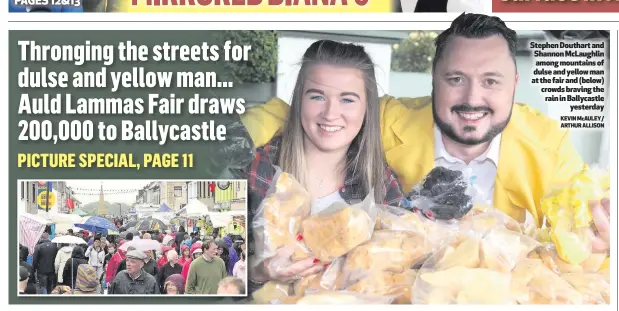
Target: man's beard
448 130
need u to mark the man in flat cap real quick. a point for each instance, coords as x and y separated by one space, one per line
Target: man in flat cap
134 280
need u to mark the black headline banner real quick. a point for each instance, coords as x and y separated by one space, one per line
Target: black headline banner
147 100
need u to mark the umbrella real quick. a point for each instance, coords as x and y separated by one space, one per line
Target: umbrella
31 227
142 245
132 230
68 239
99 225
128 225
149 224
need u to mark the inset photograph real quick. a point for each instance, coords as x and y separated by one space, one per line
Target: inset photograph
132 237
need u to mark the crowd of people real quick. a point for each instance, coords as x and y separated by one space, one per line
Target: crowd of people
183 264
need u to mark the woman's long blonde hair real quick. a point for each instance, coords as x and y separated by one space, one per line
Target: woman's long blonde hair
368 163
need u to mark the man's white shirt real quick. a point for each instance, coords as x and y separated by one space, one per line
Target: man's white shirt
481 172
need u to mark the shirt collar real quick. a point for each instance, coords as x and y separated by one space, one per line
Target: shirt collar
492 153
139 276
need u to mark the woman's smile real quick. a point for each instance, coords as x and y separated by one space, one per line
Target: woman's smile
333 106
329 129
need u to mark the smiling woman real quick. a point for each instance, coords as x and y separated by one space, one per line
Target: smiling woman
333 109
334 96
331 143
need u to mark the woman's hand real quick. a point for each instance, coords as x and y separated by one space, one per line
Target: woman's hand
281 268
600 210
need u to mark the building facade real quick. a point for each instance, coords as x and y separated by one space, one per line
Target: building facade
202 191
219 195
150 194
28 194
172 193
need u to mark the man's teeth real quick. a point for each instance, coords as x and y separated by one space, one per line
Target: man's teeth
472 116
331 128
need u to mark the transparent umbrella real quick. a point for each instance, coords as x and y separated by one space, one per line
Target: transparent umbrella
68 239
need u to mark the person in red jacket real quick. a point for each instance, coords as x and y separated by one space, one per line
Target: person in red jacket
164 259
196 251
185 255
112 265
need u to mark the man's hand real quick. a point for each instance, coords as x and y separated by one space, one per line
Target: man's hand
600 210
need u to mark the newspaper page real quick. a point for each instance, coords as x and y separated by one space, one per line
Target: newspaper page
169 153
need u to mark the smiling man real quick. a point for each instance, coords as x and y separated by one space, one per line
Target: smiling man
512 154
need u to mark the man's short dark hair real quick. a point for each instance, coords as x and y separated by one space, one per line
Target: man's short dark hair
475 26
207 242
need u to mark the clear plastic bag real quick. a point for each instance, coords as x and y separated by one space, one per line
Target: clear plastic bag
478 209
567 210
387 251
399 219
462 285
395 285
444 194
490 220
277 222
340 228
435 232
550 258
540 234
328 280
500 239
271 292
593 287
475 267
534 283
342 298
289 300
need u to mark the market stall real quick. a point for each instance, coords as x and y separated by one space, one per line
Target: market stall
63 222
